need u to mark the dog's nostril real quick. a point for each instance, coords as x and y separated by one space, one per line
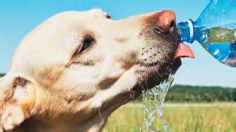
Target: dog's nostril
172 24
158 30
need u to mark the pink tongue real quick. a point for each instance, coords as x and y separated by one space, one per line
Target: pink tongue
184 51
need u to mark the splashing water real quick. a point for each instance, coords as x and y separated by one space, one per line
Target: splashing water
153 100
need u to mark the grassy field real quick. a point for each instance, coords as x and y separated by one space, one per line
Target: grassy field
180 118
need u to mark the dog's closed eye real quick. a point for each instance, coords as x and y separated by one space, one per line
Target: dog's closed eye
86 44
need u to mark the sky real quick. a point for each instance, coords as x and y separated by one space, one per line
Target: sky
18 17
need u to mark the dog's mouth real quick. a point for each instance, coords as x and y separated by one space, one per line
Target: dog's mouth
156 70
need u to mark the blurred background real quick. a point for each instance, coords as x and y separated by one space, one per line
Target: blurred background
206 86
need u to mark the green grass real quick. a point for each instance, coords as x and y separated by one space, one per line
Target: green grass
217 118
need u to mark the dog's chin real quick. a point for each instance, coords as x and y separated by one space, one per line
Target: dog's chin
156 74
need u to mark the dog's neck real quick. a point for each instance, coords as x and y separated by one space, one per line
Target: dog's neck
93 124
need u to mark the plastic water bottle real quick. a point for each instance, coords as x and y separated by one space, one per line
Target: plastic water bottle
215 30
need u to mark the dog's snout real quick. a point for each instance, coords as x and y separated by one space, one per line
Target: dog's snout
165 21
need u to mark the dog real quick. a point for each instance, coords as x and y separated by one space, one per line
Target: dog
73 70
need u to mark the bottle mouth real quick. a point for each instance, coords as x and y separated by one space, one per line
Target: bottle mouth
191 30
187 31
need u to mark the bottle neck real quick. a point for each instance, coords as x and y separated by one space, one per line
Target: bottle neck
187 31
191 31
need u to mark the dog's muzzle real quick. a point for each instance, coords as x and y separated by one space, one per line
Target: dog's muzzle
165 23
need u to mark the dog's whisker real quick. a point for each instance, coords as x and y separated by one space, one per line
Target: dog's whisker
156 76
146 82
143 88
100 115
159 75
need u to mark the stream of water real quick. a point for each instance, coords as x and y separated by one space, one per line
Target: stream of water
153 100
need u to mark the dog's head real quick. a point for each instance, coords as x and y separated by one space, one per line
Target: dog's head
79 66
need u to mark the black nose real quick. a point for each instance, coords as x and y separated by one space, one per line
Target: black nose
165 21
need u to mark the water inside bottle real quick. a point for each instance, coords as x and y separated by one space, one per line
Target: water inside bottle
221 44
218 50
225 53
153 100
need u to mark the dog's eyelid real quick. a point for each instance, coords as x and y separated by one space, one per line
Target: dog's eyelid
86 43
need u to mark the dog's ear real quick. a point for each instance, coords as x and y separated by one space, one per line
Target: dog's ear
18 106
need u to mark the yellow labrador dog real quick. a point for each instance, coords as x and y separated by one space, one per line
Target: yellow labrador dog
72 71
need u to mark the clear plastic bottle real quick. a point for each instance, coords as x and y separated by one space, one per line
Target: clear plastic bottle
215 30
